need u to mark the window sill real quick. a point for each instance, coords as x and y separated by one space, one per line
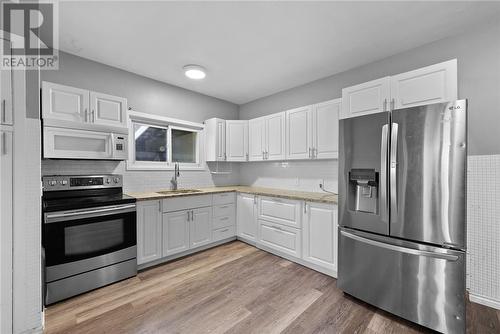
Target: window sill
183 167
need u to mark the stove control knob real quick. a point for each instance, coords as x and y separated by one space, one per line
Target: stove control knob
116 180
108 180
64 182
52 183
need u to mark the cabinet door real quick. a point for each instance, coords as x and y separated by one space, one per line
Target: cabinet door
6 177
275 136
65 103
175 232
246 221
237 140
427 85
108 109
149 240
200 227
6 102
320 235
366 98
281 238
256 138
326 129
299 133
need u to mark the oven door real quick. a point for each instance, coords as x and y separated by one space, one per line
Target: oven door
77 241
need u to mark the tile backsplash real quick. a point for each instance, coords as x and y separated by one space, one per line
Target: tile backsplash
137 181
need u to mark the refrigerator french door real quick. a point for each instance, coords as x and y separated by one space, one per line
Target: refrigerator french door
402 178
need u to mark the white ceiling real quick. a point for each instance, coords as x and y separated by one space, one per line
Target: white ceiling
255 49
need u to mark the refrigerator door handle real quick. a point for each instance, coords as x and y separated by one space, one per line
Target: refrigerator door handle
401 249
393 171
383 175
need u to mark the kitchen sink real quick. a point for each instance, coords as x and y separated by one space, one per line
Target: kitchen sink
178 191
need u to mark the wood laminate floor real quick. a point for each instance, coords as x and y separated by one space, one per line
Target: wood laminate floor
233 288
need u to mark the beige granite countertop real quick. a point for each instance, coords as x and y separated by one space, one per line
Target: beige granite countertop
281 193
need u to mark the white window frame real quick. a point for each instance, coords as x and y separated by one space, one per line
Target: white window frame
135 117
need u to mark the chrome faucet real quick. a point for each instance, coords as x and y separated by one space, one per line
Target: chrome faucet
173 182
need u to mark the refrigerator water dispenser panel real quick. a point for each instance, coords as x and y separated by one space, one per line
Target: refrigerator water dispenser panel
363 190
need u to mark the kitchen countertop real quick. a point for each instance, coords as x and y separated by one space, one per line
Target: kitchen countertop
281 193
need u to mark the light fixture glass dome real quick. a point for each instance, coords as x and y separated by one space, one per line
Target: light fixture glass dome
195 72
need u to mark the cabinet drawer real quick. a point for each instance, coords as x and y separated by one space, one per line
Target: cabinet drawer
281 211
224 198
223 233
186 202
224 210
220 222
281 238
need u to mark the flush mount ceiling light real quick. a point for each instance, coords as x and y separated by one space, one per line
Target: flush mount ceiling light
195 72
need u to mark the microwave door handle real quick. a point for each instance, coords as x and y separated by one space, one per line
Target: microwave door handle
393 171
112 145
383 175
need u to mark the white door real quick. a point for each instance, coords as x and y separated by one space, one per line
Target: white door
427 85
65 103
149 238
275 136
320 235
200 227
6 194
246 220
325 119
108 109
6 105
175 232
256 138
366 98
237 140
299 133
77 144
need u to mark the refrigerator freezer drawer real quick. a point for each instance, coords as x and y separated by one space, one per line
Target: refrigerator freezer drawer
420 283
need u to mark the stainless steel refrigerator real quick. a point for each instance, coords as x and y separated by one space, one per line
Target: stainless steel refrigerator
402 179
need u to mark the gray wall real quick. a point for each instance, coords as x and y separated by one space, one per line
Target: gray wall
143 94
478 54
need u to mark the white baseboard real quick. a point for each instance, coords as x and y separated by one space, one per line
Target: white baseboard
484 301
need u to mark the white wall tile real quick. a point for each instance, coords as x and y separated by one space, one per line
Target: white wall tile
483 230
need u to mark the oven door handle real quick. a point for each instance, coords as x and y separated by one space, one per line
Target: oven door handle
88 213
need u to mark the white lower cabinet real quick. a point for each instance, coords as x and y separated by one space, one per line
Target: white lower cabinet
149 227
175 232
246 213
200 227
319 231
280 237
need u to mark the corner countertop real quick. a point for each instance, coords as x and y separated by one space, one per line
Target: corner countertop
281 193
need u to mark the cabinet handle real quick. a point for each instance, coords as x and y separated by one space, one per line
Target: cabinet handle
3 111
305 207
224 218
267 155
93 116
393 103
224 207
247 156
263 155
86 114
224 230
255 200
314 152
225 157
385 105
188 215
309 152
192 216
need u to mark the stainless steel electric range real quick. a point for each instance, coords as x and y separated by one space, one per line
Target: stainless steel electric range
88 234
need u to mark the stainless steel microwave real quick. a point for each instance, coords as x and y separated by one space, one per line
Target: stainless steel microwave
65 143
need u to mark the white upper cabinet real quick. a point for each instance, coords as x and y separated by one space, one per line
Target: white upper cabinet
320 236
312 131
65 103
80 106
108 109
325 129
275 137
431 84
215 139
256 138
366 98
237 140
6 103
426 85
299 133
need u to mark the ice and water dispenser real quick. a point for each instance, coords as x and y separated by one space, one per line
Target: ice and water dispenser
363 190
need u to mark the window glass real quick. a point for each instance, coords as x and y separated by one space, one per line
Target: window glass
183 146
150 143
